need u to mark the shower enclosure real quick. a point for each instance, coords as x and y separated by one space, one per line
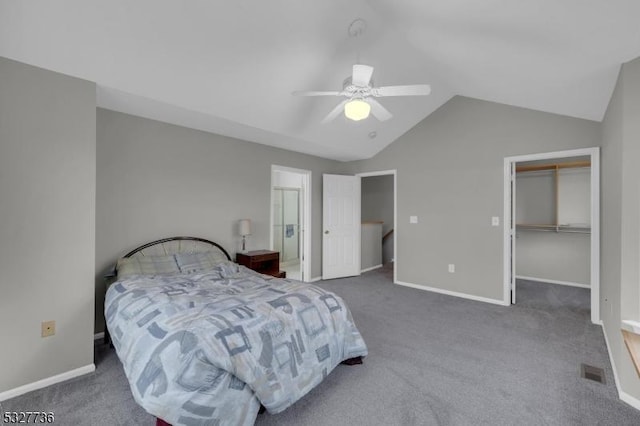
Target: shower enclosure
286 226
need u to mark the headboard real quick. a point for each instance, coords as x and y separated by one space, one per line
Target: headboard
174 245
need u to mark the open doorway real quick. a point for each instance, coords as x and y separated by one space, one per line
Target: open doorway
290 217
552 226
378 214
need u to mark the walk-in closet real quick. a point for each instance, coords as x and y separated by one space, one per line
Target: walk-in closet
553 223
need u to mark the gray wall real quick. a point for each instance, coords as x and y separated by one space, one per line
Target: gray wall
450 174
554 256
370 245
158 180
47 231
620 219
377 204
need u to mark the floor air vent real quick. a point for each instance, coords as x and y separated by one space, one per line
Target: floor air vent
592 373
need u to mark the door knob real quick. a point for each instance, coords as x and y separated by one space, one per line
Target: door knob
326 232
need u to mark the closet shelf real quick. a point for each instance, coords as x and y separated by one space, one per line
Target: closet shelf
553 228
553 166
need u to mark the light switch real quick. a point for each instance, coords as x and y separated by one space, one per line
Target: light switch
413 219
495 221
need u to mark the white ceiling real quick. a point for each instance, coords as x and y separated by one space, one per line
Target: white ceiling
230 67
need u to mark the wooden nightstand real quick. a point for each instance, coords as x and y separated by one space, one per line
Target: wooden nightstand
264 261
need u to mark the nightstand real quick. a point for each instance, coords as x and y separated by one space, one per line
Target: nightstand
263 261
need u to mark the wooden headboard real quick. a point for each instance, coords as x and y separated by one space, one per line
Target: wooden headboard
174 245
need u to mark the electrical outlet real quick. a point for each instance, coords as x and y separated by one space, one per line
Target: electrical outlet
48 328
413 219
452 268
495 221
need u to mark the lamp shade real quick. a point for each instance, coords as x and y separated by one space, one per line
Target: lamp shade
244 227
357 109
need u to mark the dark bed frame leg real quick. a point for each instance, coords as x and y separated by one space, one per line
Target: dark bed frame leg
107 338
160 422
352 361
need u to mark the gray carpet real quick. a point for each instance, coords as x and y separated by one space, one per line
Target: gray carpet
434 360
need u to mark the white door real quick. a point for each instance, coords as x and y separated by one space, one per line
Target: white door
301 230
341 226
513 232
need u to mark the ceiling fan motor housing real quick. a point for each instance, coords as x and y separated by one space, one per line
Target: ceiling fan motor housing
354 91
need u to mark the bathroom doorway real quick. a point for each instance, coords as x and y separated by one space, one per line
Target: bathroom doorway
286 229
289 219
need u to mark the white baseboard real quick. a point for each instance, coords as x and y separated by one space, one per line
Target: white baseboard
313 280
98 336
453 293
371 269
544 280
632 326
20 390
613 363
634 402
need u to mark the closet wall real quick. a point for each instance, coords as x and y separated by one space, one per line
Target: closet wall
553 224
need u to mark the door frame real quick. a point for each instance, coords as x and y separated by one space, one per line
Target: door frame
305 232
394 173
509 222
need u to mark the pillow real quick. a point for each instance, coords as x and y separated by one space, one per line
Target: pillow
147 265
190 263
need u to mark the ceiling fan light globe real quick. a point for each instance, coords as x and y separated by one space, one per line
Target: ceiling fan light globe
357 110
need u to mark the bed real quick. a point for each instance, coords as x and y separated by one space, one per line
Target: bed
204 340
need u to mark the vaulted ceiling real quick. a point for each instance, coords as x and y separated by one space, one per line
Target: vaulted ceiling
229 67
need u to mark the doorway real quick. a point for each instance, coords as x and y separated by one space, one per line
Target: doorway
378 213
551 226
342 222
286 228
290 217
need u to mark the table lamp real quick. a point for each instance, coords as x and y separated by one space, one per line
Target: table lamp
244 229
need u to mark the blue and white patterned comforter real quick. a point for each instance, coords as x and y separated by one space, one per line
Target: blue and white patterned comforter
208 348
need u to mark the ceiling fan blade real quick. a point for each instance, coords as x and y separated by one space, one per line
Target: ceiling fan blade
409 90
334 112
378 111
361 75
315 93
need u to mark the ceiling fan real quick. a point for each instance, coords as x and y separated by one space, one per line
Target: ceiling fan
361 95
